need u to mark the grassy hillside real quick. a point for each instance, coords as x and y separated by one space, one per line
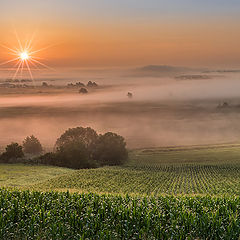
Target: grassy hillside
20 175
190 170
162 180
193 170
200 155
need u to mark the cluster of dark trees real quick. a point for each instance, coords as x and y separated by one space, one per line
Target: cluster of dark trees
76 148
80 84
83 88
15 152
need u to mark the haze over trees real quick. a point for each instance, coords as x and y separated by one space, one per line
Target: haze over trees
32 145
76 148
110 149
83 90
83 148
12 152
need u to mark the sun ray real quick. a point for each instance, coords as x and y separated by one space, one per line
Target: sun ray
10 49
29 43
30 72
44 65
12 60
18 67
14 67
42 49
35 65
22 70
19 42
39 58
25 57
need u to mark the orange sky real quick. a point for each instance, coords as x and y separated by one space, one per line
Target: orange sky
132 41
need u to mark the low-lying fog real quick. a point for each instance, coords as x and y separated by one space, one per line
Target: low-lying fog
164 110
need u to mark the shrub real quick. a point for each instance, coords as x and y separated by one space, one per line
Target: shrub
75 147
32 145
49 158
83 90
110 149
13 151
74 155
87 136
84 148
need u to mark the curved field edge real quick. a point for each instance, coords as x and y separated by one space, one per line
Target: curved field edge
53 215
200 170
23 176
174 180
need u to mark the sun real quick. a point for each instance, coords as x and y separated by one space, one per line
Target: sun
24 56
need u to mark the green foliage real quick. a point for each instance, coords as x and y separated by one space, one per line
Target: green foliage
23 176
13 151
87 136
195 179
74 155
110 149
84 148
51 215
209 170
74 148
32 145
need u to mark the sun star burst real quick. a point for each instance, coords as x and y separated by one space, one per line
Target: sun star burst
25 58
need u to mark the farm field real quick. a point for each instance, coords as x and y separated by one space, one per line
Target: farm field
51 215
20 175
196 170
161 193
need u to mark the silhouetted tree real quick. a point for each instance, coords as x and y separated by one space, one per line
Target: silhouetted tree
32 145
87 136
13 151
80 84
83 148
49 158
74 155
44 84
130 95
110 149
83 91
92 84
77 143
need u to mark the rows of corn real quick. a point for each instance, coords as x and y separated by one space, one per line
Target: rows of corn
154 180
52 215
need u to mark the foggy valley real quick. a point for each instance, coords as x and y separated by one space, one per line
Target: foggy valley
164 110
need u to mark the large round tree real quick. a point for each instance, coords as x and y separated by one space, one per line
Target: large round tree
110 149
75 147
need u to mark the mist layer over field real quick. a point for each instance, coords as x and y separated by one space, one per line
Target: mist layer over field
164 110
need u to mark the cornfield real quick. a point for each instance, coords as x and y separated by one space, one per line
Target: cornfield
53 215
154 180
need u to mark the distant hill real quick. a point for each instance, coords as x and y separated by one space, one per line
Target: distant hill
160 70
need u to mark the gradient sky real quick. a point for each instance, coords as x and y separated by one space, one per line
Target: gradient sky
106 33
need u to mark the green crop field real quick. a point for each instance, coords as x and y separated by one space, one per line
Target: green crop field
197 170
193 170
161 193
20 175
52 215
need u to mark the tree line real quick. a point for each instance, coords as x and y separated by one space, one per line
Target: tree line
76 148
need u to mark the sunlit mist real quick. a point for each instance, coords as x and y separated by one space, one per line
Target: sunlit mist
25 58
